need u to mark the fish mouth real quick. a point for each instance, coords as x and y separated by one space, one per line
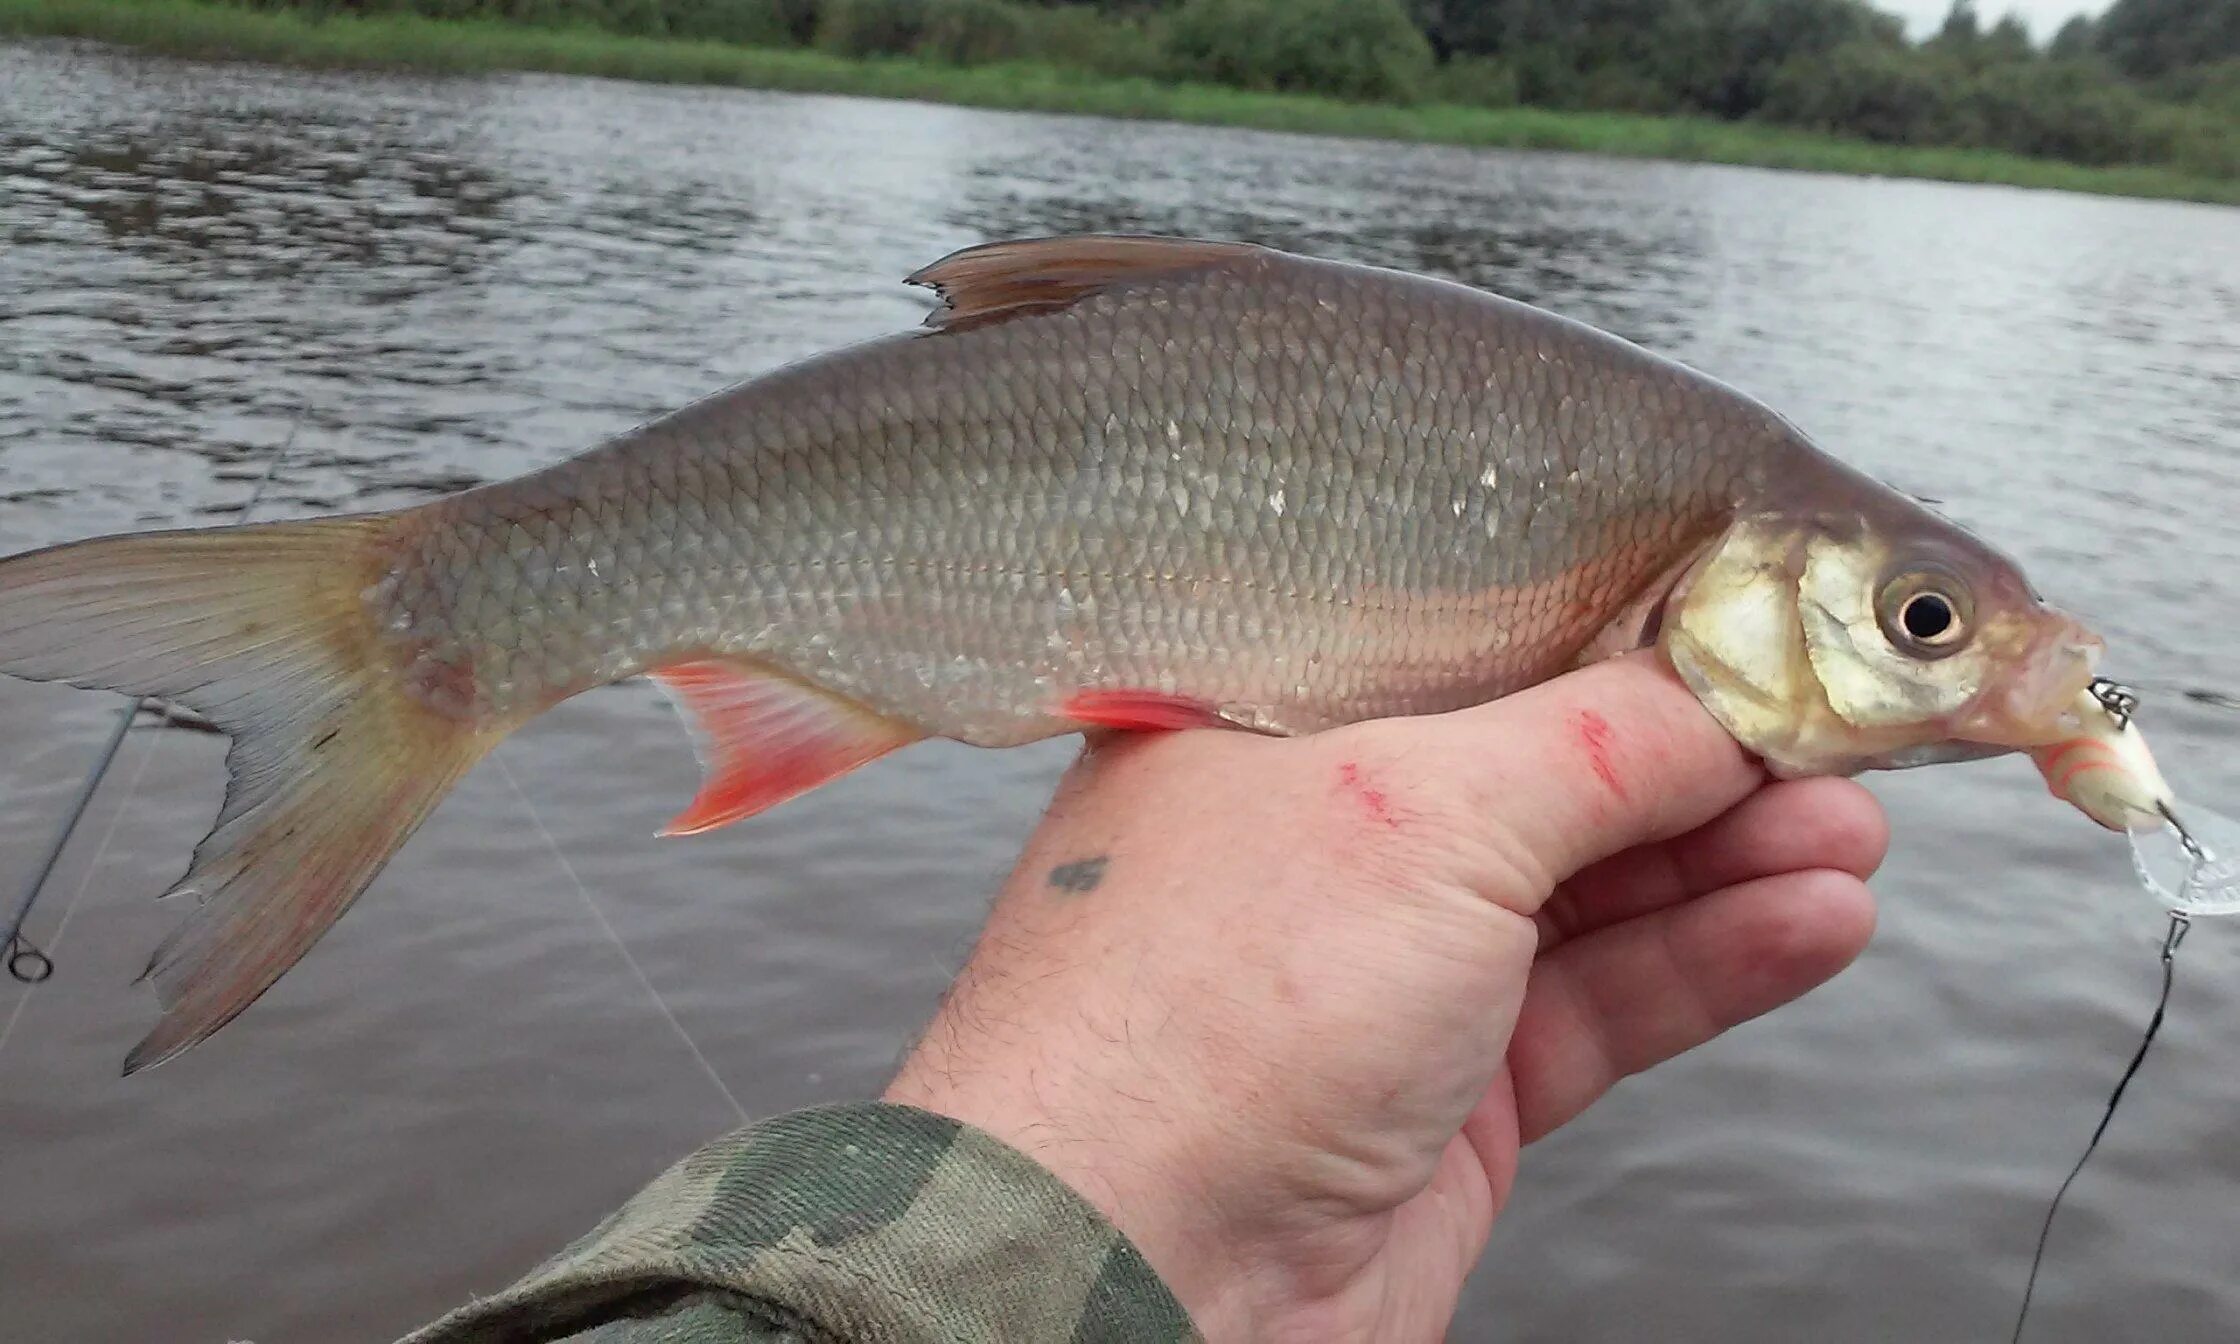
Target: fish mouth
2035 704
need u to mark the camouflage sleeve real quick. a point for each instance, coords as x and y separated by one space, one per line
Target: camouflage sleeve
859 1222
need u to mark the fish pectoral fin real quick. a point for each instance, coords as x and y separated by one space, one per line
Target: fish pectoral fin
763 737
1142 711
997 281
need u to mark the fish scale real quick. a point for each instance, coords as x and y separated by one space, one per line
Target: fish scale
1113 483
1102 476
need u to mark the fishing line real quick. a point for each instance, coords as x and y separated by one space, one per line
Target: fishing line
26 962
583 889
2180 924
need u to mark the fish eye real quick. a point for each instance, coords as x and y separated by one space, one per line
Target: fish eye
1926 613
1928 617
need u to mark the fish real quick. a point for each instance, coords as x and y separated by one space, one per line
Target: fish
1112 483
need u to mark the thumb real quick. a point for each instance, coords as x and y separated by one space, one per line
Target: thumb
1590 764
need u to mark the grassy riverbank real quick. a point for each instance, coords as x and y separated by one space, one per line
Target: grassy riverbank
403 41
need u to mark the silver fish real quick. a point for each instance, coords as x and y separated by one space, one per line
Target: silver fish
1115 482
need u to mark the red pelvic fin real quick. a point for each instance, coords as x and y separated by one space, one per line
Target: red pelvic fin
1142 711
763 737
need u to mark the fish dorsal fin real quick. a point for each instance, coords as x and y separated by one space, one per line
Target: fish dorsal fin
996 282
763 737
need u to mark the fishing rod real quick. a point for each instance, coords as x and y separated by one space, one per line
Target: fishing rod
26 962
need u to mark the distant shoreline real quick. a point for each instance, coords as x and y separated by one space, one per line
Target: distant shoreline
192 28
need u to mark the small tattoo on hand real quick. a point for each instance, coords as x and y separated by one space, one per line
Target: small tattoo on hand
1080 875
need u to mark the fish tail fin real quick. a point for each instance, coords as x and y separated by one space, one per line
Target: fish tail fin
265 630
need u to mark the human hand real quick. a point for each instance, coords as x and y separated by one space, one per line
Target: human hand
1285 1009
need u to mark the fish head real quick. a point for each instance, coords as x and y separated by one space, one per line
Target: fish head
1873 637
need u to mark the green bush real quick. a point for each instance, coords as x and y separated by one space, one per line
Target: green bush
2215 86
1865 89
1620 88
1546 76
1473 81
2201 139
1079 37
960 32
2057 110
2041 107
800 18
862 28
973 32
1358 49
2148 38
754 23
1836 66
1720 59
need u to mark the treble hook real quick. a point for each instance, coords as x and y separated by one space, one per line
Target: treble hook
2195 850
2119 700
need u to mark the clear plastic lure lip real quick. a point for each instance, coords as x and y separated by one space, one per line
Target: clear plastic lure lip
2191 865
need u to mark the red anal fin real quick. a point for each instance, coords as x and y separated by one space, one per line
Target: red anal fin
763 738
1142 711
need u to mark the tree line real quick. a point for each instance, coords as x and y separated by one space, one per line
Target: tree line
2148 81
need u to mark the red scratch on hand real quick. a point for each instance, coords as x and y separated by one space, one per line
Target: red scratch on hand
1372 800
1595 737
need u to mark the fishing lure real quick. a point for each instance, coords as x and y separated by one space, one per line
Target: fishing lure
2187 857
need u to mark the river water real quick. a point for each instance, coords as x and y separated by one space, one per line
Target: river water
450 281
